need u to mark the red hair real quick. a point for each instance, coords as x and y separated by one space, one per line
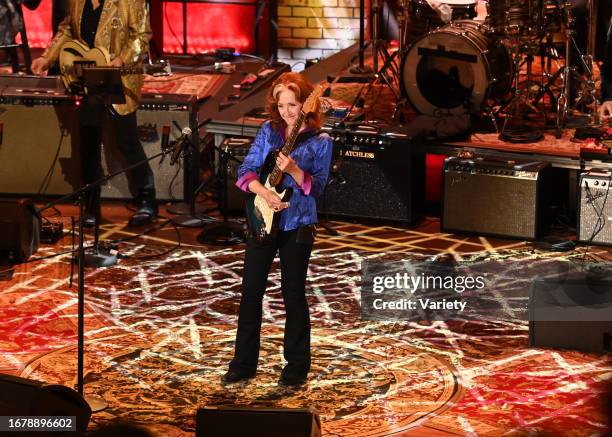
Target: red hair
302 88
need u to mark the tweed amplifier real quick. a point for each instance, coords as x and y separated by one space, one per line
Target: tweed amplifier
174 111
376 175
488 196
39 148
595 208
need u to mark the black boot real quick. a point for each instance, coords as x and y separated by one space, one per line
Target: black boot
147 211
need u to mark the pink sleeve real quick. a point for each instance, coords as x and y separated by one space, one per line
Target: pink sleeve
306 184
245 180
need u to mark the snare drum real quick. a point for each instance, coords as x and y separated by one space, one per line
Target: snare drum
423 18
456 69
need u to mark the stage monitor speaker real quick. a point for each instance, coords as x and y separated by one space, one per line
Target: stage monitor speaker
257 422
571 313
375 177
488 196
27 397
595 207
19 229
39 147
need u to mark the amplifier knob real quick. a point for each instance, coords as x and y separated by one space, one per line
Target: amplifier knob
603 184
596 183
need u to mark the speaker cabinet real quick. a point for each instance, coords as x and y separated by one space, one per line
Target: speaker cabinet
571 313
39 147
19 229
595 208
26 397
171 182
238 148
376 178
257 422
488 196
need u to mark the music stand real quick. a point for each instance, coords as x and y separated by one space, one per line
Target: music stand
102 86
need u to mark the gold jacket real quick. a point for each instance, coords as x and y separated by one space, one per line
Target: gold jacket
124 30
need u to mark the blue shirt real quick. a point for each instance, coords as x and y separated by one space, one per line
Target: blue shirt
312 155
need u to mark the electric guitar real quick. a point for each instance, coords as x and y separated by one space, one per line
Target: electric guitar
263 220
75 56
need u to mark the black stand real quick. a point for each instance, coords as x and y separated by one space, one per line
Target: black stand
191 215
225 233
102 86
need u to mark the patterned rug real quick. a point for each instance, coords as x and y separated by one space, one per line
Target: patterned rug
160 333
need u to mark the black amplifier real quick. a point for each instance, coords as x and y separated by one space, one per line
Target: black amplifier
595 207
375 174
238 148
489 196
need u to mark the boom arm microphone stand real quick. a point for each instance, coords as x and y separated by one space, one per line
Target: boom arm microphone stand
223 233
103 87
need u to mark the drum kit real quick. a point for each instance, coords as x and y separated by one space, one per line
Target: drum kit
448 63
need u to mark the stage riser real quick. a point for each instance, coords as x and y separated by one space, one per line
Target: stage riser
34 134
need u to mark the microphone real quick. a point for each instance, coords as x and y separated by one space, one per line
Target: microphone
179 144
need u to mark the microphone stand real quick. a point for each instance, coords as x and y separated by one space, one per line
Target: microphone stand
189 214
96 403
223 233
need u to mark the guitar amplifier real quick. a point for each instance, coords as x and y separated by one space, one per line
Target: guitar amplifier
238 148
487 196
178 182
375 175
45 159
595 208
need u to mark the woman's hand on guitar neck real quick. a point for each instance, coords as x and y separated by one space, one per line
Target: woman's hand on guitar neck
40 66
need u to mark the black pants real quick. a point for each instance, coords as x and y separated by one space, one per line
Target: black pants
124 130
294 248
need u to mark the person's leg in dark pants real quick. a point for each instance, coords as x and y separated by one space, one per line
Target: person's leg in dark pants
257 261
294 258
126 134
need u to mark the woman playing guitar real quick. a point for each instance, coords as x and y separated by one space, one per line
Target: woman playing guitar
303 173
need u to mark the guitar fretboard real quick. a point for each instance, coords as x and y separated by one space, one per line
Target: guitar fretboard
277 175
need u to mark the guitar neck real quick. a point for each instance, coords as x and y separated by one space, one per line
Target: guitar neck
276 175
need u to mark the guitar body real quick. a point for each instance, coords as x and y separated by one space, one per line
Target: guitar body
261 219
73 52
74 56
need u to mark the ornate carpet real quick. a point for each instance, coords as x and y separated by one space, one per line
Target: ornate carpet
160 334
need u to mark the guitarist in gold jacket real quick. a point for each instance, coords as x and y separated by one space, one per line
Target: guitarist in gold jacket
122 28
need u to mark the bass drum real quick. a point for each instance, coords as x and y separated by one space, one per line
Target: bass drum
456 69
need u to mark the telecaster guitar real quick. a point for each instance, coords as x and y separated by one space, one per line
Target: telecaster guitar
75 56
263 220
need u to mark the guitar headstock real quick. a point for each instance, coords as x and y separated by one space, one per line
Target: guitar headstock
310 105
